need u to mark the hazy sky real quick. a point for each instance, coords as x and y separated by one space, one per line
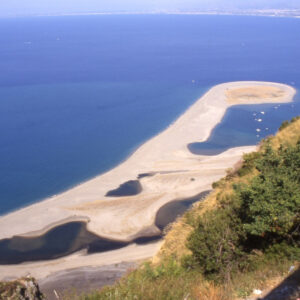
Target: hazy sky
30 7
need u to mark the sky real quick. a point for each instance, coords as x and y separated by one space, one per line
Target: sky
36 7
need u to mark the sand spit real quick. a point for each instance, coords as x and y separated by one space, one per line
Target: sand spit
178 173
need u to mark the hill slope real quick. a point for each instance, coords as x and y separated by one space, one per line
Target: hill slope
244 234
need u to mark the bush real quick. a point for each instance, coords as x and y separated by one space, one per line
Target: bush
215 243
248 163
271 202
283 251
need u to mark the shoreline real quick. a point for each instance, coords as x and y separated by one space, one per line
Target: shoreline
164 152
177 173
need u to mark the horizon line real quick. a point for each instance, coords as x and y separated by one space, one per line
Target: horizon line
244 12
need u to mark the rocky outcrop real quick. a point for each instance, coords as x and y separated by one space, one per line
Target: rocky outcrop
21 289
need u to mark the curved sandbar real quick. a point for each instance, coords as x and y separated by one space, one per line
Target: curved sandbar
178 173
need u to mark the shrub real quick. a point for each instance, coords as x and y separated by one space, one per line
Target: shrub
248 163
271 202
215 243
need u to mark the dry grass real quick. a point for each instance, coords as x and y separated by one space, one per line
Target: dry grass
174 242
265 277
287 136
176 236
210 291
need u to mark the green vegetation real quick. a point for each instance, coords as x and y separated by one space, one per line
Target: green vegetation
260 215
244 233
150 283
167 281
215 243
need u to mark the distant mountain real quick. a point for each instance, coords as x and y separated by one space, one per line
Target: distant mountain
246 4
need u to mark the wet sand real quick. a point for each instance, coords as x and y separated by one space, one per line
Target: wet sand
72 237
43 269
82 280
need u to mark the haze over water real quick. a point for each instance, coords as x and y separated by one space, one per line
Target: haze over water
79 94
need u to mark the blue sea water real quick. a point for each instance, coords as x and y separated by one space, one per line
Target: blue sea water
78 94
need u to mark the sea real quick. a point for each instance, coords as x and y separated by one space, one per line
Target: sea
78 94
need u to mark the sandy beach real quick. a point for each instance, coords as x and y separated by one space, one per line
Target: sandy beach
176 173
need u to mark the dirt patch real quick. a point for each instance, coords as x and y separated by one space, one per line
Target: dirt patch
255 94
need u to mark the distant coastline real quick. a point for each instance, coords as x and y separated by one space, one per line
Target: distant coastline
279 13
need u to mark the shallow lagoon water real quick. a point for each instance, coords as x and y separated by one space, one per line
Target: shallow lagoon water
245 125
68 238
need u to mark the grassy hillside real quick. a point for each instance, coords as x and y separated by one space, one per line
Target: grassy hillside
242 236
